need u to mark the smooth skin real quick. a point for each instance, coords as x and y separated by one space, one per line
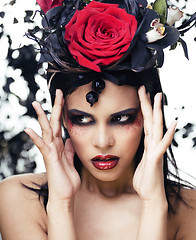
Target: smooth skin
124 206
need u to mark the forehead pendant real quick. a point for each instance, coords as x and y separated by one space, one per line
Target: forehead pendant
97 87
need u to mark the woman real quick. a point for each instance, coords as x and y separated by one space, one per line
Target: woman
110 102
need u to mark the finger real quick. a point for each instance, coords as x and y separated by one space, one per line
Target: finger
44 123
55 119
157 118
70 168
69 150
146 110
168 137
37 140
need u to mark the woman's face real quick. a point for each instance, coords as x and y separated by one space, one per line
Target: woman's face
107 135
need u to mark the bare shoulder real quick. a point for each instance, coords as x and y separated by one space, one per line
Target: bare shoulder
28 178
21 210
14 186
187 215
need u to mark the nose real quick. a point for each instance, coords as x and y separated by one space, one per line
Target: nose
103 138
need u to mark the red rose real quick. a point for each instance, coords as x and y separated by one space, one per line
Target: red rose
48 4
99 34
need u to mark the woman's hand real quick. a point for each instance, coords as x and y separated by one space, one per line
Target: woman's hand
148 180
63 179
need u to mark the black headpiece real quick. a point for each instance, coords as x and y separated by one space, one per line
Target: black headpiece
102 37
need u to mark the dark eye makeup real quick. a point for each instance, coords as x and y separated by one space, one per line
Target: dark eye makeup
124 117
81 120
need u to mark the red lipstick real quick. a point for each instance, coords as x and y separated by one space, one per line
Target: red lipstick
105 162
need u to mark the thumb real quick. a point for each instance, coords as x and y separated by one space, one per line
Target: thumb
69 150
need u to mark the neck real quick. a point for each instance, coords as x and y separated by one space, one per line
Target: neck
108 188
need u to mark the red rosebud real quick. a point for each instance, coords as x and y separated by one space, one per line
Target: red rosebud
100 34
46 5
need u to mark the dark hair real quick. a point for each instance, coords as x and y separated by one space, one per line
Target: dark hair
150 79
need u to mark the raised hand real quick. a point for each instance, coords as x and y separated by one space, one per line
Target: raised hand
148 180
63 179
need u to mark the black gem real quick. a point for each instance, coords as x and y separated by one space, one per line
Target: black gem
98 85
92 97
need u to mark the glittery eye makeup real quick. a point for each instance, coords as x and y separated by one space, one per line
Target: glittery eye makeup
125 117
80 118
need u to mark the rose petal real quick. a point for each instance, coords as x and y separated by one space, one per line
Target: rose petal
83 61
56 3
100 38
100 34
49 4
107 61
44 4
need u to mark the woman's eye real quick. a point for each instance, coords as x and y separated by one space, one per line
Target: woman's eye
124 119
81 120
84 119
121 119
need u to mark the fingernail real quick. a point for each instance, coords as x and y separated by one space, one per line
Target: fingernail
58 92
26 130
33 103
159 96
174 124
141 88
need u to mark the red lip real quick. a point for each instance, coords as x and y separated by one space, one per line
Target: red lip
106 157
106 162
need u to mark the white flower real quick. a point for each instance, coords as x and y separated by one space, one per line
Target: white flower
174 14
157 31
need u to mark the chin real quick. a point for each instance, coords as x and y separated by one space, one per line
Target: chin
107 178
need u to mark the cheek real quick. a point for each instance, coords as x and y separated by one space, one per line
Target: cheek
138 121
80 142
71 128
76 130
79 136
133 134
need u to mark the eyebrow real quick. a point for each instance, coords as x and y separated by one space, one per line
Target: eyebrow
123 112
78 112
126 111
